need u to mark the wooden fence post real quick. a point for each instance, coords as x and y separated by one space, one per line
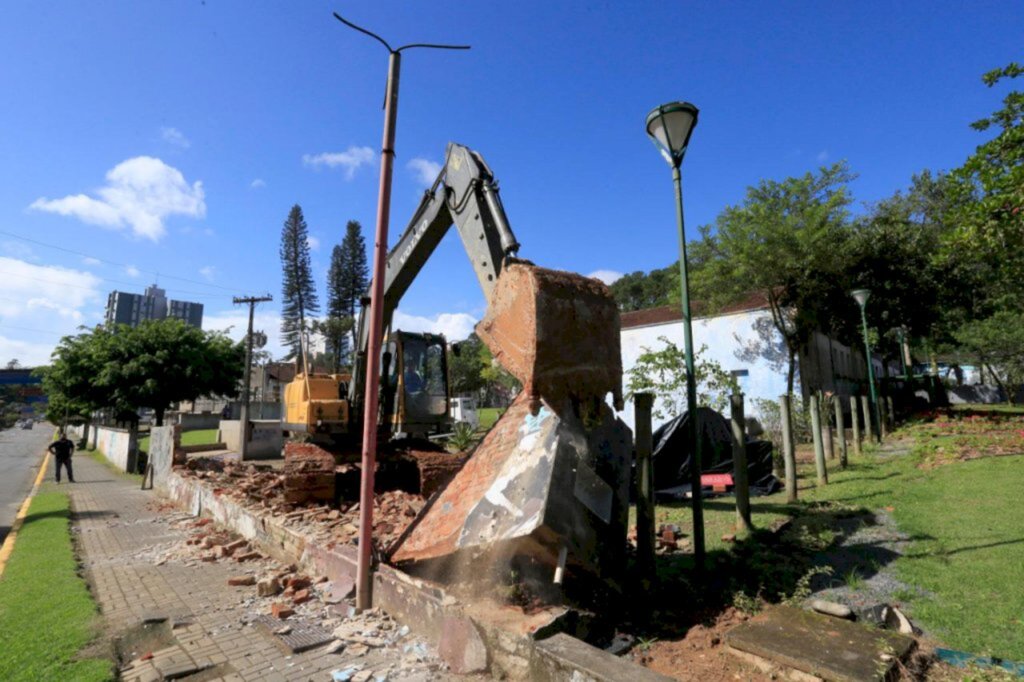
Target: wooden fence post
741 484
788 446
643 402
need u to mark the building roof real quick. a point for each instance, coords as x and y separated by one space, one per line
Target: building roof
674 313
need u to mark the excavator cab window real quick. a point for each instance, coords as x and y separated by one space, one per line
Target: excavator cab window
424 377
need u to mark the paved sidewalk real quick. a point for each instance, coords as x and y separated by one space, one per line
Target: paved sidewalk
137 564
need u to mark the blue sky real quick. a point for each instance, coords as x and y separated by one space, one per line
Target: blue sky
174 137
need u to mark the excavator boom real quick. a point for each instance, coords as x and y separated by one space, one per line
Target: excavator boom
552 474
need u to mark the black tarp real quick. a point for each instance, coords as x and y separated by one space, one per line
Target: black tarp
671 456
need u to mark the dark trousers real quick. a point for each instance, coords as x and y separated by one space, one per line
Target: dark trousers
66 463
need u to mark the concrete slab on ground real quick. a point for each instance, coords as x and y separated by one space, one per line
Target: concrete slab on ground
822 646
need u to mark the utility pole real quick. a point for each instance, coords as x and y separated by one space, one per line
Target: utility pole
252 301
376 312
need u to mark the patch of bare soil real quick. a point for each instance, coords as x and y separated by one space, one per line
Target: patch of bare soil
701 654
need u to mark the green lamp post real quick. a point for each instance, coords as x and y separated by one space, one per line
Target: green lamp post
669 127
861 296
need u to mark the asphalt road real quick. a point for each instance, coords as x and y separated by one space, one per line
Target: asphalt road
20 455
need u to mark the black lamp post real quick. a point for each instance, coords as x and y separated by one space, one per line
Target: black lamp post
669 127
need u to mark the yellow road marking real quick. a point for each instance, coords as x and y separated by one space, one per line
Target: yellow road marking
5 551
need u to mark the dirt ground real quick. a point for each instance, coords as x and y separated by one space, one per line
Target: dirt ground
700 655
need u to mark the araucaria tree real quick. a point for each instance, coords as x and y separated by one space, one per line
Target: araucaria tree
299 299
353 272
346 282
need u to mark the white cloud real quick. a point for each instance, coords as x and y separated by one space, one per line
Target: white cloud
257 183
609 277
454 326
47 304
350 159
28 353
132 271
25 286
18 250
140 194
39 304
822 155
175 137
208 271
424 170
93 262
313 242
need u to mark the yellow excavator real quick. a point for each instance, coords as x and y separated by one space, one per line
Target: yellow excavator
414 379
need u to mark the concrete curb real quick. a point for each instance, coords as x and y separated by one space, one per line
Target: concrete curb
473 641
8 546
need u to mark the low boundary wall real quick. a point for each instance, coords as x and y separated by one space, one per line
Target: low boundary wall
423 606
119 446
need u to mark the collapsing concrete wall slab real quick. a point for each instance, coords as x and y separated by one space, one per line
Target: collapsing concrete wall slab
539 483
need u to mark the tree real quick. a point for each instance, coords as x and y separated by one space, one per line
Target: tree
76 381
353 273
998 341
663 373
299 299
990 218
465 366
335 331
637 290
788 240
161 362
893 251
14 363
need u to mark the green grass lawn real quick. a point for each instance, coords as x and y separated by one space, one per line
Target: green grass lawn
968 529
489 415
198 437
46 613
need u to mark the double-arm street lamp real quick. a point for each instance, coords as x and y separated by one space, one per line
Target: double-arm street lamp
861 296
670 126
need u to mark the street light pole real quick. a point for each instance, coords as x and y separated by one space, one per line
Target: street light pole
376 317
670 126
693 432
861 295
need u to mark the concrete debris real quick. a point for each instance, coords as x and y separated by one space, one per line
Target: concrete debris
264 492
831 608
268 587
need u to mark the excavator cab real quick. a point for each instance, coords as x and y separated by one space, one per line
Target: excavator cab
414 369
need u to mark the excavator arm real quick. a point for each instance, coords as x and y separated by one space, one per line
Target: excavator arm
465 194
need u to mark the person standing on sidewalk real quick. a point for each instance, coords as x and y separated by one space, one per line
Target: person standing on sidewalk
62 449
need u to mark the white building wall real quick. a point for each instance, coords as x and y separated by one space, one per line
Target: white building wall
744 341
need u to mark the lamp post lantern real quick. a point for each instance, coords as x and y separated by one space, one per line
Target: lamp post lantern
669 127
861 296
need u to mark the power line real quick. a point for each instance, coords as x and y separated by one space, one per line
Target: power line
112 281
30 329
110 262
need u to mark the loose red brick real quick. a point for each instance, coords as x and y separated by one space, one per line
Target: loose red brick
281 611
301 597
241 580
